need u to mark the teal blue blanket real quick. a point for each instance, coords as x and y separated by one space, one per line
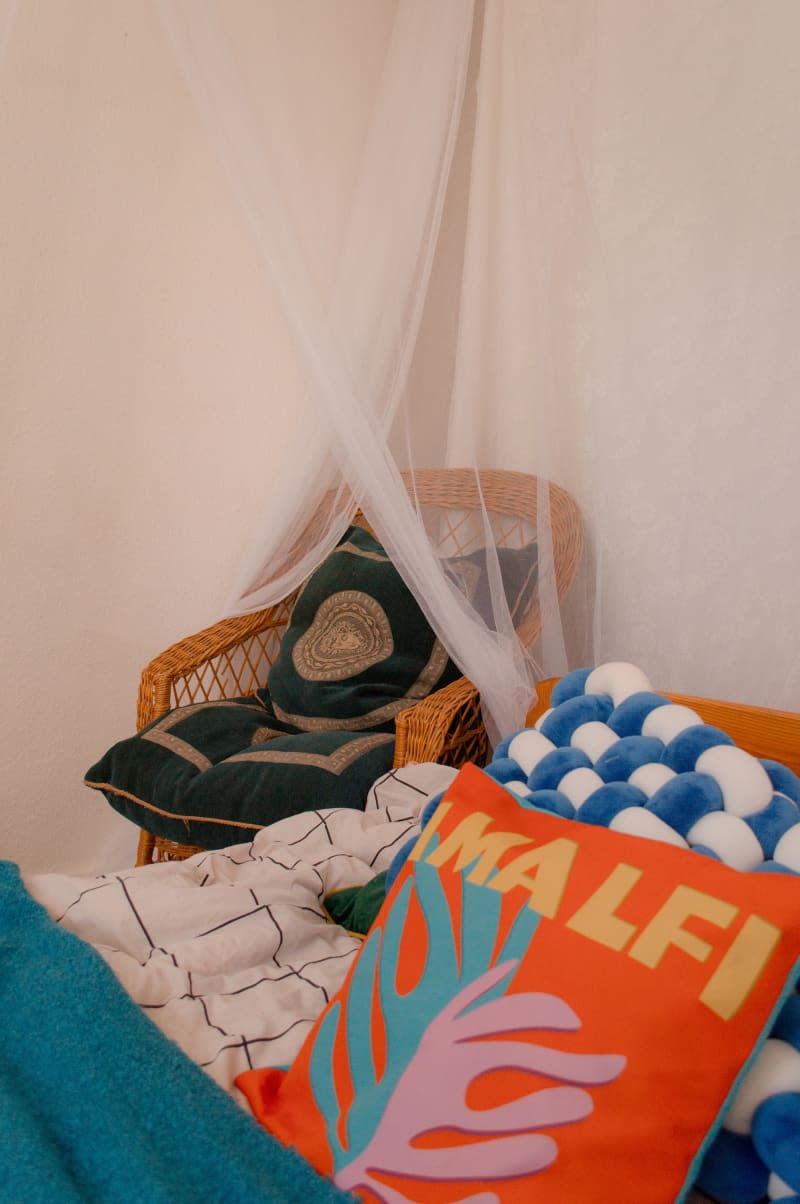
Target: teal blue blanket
97 1105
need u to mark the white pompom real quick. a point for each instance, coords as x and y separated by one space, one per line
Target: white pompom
617 678
651 777
518 788
636 821
666 722
541 719
528 747
593 738
787 850
776 1069
778 1189
729 837
578 784
744 782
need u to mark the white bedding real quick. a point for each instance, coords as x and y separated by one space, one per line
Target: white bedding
232 953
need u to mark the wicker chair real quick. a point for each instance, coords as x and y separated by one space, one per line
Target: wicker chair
233 657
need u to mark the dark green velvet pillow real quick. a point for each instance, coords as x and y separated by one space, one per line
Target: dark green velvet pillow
355 907
214 773
519 570
358 648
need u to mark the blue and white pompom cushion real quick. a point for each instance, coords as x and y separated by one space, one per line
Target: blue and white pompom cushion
611 751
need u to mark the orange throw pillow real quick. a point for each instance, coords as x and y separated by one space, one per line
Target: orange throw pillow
543 1010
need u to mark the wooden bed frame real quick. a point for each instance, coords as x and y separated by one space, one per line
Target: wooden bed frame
761 731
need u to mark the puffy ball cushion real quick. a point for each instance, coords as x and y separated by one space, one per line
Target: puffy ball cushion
358 648
653 768
214 773
544 1010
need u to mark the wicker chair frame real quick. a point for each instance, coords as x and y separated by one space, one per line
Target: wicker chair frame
232 658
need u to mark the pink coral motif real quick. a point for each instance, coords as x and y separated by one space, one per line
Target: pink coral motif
455 1050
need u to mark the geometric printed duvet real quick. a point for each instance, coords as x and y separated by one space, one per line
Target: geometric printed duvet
231 953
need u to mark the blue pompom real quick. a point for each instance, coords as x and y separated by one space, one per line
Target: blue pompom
553 765
732 1170
770 867
398 861
787 1024
682 800
607 801
569 685
402 854
707 852
554 801
622 757
586 708
776 1135
682 752
505 769
770 824
783 779
429 808
628 717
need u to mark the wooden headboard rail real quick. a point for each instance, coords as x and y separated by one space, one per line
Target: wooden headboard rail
774 735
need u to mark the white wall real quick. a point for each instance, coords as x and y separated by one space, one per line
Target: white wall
139 354
145 369
695 179
631 316
147 385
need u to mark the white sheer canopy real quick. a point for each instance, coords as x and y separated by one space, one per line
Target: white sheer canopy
461 291
559 238
353 303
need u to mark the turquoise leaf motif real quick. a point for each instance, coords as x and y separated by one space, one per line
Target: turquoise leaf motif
406 1017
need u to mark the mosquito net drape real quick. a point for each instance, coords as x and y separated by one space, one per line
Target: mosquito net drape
554 247
352 267
555 238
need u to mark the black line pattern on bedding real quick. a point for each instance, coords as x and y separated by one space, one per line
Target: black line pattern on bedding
232 953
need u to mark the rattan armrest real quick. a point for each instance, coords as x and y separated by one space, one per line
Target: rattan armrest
447 727
232 657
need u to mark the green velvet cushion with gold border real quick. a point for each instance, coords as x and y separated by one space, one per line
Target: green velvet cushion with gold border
358 649
213 774
355 907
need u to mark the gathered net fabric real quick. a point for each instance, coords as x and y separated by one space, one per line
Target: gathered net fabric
352 264
554 241
558 240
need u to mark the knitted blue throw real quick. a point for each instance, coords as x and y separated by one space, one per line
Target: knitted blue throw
97 1105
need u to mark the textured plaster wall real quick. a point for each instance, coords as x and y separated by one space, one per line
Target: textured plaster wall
143 373
144 365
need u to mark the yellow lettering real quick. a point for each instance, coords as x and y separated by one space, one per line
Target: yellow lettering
552 861
470 842
596 918
741 967
666 929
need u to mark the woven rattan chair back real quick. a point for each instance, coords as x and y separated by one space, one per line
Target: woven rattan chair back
233 657
450 499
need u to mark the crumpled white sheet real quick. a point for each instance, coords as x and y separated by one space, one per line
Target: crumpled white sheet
231 953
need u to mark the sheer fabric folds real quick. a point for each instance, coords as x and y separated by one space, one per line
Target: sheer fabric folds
556 238
352 266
